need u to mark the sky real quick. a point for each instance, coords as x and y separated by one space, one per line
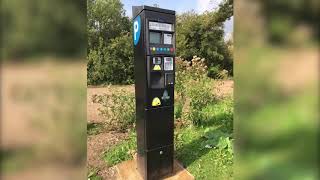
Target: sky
181 6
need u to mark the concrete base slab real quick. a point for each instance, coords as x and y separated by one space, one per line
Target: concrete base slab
128 171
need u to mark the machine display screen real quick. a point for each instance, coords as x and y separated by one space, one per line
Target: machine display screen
160 26
155 37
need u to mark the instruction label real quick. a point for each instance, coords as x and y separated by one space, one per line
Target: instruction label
168 64
157 68
167 38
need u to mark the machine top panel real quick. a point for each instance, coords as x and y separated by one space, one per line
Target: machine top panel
137 10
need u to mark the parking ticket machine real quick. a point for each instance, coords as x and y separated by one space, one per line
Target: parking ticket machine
154 54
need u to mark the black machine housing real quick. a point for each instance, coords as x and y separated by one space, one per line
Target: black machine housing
154 90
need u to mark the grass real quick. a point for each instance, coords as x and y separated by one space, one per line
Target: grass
201 160
206 151
121 152
219 114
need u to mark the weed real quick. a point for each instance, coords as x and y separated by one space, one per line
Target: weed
217 139
118 109
200 94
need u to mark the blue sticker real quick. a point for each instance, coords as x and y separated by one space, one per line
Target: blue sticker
136 30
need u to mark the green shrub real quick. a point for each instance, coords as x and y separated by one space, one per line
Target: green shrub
186 71
200 94
216 73
195 92
194 89
118 109
213 72
113 63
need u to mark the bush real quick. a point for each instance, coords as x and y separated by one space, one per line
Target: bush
213 72
118 109
112 63
193 88
200 94
186 71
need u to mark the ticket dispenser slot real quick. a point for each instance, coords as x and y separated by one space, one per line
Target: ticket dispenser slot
169 79
154 54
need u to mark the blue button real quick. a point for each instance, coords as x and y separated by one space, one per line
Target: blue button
157 49
160 49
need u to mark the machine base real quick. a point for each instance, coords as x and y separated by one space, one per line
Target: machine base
128 170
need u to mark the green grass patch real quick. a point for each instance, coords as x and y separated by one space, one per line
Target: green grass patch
219 114
204 153
121 152
94 128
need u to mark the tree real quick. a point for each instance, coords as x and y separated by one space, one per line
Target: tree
203 36
225 11
110 51
106 20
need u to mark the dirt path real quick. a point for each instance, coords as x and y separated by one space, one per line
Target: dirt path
223 88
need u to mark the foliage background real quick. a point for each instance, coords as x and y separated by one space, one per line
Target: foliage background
40 27
110 51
